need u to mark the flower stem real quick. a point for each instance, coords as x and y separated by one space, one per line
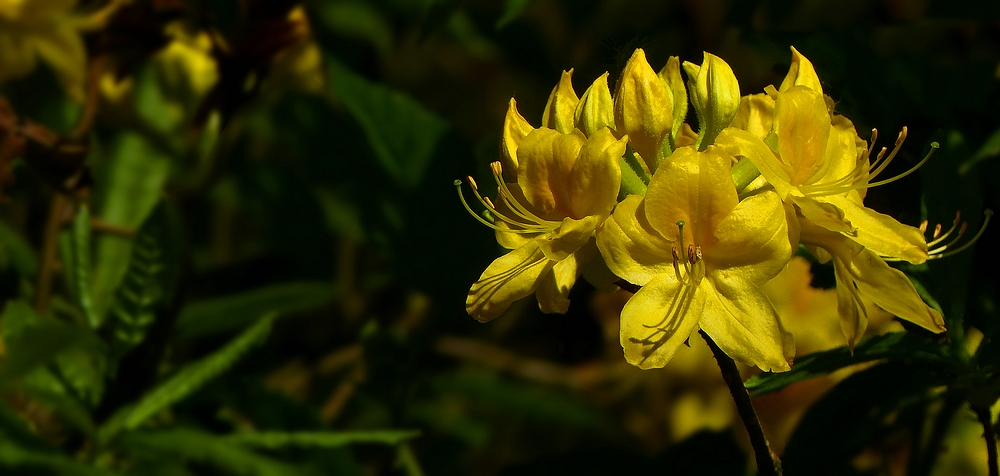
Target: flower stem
768 463
983 413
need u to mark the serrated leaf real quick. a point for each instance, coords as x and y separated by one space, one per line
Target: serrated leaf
234 312
326 439
402 133
148 285
76 258
194 445
898 345
187 380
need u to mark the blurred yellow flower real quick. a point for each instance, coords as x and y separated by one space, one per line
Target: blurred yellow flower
566 186
43 30
700 255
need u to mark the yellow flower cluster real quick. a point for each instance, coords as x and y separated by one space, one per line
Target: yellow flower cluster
699 221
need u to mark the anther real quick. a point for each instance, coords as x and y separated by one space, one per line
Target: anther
472 182
697 252
937 231
496 168
691 256
923 226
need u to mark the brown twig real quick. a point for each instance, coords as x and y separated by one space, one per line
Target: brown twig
983 414
50 244
768 463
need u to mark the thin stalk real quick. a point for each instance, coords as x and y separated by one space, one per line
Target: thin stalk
768 463
50 243
983 414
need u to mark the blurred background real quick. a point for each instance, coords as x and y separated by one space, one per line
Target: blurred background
253 159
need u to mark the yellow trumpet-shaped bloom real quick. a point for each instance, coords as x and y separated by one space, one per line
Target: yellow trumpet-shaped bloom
644 109
815 160
567 185
700 255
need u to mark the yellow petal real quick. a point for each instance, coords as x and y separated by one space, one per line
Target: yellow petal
882 233
695 187
742 321
560 108
801 73
515 127
658 319
754 241
887 287
824 214
643 109
596 175
671 77
715 97
596 109
631 248
802 125
546 159
17 58
553 292
739 143
568 237
850 307
755 115
510 277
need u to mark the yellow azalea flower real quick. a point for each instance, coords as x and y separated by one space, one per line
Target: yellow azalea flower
816 161
861 272
567 185
701 256
42 29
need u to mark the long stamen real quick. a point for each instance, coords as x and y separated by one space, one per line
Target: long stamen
511 202
986 221
683 278
937 237
461 196
859 179
489 206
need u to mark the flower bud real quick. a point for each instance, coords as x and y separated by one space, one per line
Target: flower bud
715 95
561 106
596 108
671 77
643 109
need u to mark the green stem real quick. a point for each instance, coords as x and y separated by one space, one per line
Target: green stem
942 421
768 463
743 173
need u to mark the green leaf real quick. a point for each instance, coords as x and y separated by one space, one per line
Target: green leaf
898 345
22 256
326 439
150 282
194 445
234 312
989 149
77 262
187 380
18 458
32 341
355 20
132 181
401 132
511 10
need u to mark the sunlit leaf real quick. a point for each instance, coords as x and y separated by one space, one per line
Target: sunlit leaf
195 445
187 380
131 186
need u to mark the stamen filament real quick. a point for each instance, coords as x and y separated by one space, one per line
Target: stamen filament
512 203
937 237
461 196
486 203
986 221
